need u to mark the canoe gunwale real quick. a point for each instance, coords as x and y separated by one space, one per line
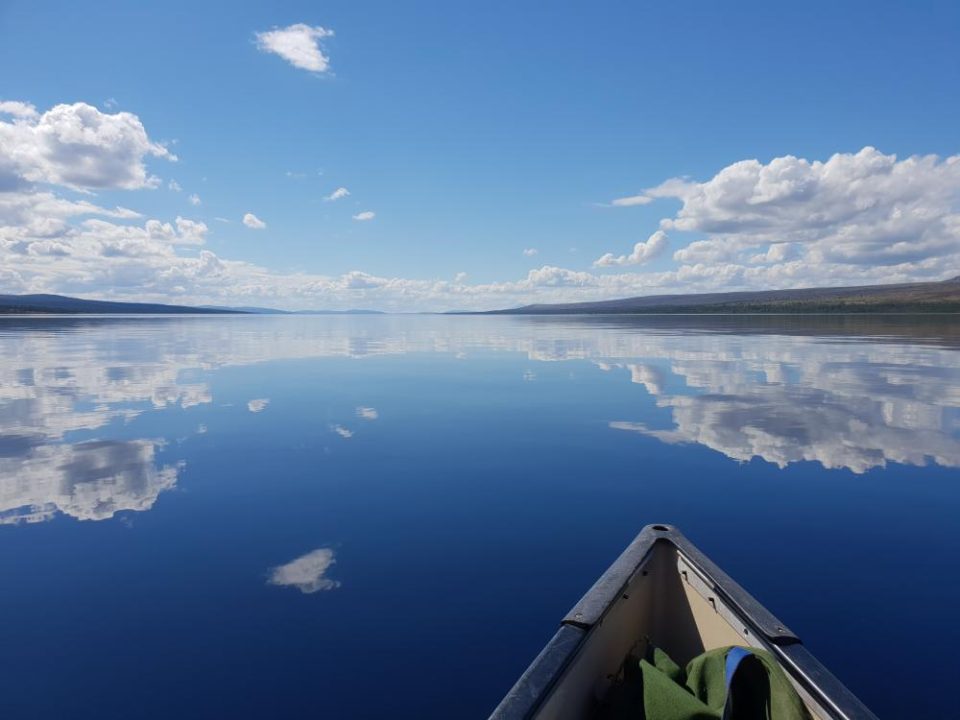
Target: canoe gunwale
548 668
592 606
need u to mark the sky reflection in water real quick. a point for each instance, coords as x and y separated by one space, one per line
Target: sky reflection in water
432 474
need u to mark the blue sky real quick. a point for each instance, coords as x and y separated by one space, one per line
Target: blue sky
474 132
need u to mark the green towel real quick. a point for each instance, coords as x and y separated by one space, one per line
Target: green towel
662 690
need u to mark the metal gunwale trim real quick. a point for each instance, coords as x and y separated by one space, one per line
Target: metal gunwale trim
600 597
541 676
829 691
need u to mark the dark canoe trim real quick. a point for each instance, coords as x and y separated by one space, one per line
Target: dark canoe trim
538 680
536 683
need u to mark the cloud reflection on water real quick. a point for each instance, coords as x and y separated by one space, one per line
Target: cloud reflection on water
307 572
258 405
837 395
789 402
367 413
87 480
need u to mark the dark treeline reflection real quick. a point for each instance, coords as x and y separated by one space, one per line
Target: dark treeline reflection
936 329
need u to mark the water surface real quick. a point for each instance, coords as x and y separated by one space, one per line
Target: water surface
350 517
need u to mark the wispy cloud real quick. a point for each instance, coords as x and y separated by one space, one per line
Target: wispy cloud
194 199
340 192
342 431
365 215
258 405
530 252
252 221
367 413
632 201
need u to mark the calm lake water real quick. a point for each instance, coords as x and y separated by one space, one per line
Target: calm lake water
388 516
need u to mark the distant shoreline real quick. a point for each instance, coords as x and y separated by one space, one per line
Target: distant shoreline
927 298
692 312
556 315
63 305
36 305
941 297
718 313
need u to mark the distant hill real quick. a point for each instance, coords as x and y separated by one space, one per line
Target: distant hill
941 296
338 312
274 311
55 304
249 310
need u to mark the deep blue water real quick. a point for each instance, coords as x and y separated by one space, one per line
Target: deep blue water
356 517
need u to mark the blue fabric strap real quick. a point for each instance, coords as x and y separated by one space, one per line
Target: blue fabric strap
734 657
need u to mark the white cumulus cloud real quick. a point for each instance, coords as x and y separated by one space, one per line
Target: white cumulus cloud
18 109
861 209
550 276
76 146
853 219
365 215
299 45
643 252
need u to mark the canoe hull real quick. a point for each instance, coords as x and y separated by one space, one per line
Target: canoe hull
662 590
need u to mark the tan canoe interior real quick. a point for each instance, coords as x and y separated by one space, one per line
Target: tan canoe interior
666 603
